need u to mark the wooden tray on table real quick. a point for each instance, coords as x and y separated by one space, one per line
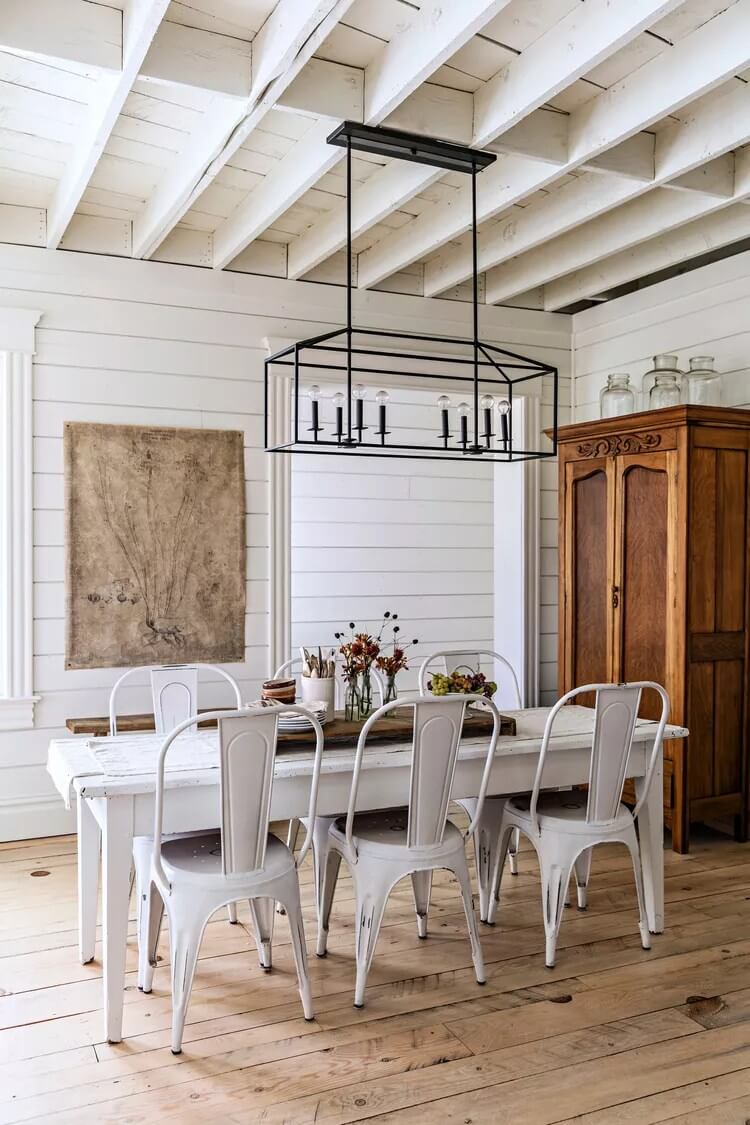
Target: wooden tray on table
395 727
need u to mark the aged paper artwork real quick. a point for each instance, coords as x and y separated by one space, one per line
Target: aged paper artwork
155 522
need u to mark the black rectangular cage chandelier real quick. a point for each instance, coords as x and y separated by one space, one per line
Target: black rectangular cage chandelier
370 392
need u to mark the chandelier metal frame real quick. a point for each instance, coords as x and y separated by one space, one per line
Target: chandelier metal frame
339 355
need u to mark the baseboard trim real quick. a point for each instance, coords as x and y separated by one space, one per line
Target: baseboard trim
27 818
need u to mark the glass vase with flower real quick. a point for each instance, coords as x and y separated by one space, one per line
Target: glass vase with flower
358 654
390 664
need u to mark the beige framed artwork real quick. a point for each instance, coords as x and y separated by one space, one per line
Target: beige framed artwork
155 522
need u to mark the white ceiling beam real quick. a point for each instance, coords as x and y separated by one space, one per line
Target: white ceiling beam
437 32
711 131
398 71
141 19
564 53
285 43
588 35
651 215
669 249
89 35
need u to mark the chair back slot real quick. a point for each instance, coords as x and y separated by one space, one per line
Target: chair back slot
175 696
437 732
614 723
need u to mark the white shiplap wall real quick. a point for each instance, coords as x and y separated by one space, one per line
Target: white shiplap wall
704 312
144 342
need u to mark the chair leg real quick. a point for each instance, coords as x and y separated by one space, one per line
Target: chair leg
262 912
232 912
153 909
486 843
372 887
461 871
291 842
513 849
582 868
505 837
422 884
330 877
185 931
320 850
293 910
556 869
638 872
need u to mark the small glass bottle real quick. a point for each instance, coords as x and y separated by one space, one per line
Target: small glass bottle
665 391
662 364
701 384
617 397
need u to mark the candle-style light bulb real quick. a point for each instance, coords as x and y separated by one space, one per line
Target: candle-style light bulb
313 393
463 419
503 409
382 398
444 405
358 394
338 402
487 404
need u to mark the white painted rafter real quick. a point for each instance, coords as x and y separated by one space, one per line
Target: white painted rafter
436 31
89 35
285 43
590 34
140 22
671 248
703 142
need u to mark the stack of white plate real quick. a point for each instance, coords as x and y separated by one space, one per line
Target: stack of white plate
292 721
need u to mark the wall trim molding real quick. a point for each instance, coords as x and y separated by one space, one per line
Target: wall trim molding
17 332
280 514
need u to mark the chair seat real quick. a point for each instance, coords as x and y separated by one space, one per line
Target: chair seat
201 855
565 812
378 833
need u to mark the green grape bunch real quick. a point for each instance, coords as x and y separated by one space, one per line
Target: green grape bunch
461 682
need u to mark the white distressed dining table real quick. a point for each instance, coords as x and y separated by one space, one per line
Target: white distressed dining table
113 806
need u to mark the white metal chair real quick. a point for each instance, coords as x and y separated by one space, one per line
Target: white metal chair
565 827
381 848
194 876
322 823
174 693
487 835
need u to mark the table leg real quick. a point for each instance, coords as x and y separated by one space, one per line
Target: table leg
117 847
89 844
651 838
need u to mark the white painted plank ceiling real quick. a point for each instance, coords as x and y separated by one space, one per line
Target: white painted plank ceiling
195 133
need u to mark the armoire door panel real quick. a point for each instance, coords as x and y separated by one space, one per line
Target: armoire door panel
728 725
589 609
702 542
700 723
642 574
731 505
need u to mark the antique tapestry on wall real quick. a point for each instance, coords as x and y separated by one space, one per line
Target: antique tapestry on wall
155 523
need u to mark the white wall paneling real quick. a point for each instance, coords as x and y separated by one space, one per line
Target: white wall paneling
17 347
128 341
700 313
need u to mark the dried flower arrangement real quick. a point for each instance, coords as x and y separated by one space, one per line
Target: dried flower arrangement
362 650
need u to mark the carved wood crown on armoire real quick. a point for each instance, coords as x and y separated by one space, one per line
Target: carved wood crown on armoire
654 586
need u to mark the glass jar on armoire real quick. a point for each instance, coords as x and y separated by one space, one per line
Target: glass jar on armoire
701 383
665 391
663 365
617 397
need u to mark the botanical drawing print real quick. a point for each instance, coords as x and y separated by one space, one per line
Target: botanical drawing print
155 545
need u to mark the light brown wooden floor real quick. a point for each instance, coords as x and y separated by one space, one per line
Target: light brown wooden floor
612 1035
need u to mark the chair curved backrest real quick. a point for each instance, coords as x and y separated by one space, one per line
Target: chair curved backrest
452 658
174 692
247 755
293 667
615 715
437 734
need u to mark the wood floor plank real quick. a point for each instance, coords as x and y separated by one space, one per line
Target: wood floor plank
612 1036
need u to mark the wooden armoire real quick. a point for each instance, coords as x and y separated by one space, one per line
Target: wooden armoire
654 584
